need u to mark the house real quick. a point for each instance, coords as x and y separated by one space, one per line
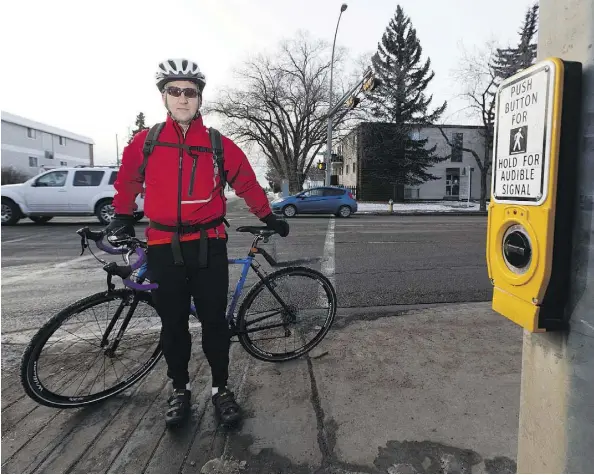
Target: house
353 165
33 147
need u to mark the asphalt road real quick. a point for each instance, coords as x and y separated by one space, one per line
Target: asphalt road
373 261
312 415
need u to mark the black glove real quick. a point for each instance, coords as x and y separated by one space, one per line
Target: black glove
121 225
278 225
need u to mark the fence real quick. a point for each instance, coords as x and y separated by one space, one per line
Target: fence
352 189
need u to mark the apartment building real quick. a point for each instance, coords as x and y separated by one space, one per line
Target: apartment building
354 165
33 147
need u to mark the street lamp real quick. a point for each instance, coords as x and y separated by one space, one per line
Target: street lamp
329 137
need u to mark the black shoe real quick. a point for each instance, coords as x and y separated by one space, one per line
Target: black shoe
227 409
179 407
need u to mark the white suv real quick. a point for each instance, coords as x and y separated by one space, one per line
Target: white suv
77 191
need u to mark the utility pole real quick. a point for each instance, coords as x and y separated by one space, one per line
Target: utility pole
556 423
329 131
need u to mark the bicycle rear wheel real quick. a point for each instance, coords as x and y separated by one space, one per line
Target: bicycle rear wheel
93 349
285 315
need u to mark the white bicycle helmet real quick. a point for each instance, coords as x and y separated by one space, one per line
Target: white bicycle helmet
179 70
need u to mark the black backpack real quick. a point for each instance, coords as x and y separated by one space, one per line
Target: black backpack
151 141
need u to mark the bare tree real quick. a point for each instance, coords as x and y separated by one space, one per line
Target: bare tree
479 85
10 176
281 106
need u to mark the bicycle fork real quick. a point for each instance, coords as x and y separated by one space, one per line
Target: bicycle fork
288 315
110 348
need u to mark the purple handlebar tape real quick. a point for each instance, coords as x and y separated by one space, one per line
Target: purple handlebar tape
141 259
135 286
110 249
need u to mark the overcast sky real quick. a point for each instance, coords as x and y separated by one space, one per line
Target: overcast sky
88 67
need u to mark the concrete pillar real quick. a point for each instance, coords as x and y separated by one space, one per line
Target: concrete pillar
556 426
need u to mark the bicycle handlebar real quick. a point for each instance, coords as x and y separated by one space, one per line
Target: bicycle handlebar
133 244
113 268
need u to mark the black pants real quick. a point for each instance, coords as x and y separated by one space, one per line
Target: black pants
208 287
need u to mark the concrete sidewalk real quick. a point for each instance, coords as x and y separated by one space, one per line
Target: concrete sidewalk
433 390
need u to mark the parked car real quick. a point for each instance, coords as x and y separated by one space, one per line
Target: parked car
67 191
322 200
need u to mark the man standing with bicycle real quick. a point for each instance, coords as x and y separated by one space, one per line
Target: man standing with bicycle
185 203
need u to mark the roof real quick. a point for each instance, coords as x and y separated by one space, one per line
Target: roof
15 119
81 167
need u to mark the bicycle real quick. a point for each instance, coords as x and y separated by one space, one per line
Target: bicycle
117 332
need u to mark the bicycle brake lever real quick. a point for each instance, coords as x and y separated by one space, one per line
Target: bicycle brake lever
110 285
83 245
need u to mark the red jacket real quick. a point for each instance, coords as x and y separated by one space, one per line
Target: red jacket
201 204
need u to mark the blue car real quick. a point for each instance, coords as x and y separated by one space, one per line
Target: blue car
323 200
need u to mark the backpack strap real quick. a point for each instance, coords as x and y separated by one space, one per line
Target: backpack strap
219 156
149 144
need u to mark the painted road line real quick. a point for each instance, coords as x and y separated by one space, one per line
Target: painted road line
328 262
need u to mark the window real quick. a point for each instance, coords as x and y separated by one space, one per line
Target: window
312 193
354 167
33 162
57 178
347 169
333 192
63 164
457 140
62 140
113 178
452 181
88 178
31 133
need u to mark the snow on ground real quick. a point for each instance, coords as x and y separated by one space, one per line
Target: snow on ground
442 206
411 207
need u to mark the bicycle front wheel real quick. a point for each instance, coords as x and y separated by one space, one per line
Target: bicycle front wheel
93 349
285 315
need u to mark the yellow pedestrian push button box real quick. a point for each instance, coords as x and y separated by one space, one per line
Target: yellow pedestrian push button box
530 223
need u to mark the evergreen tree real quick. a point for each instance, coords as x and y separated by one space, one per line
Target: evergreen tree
400 156
508 61
140 125
273 177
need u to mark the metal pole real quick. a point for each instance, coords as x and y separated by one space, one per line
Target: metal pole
329 132
469 185
556 415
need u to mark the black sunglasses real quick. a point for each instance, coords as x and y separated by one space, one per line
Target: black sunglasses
189 92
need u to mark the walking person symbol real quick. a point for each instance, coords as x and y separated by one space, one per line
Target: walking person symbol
517 140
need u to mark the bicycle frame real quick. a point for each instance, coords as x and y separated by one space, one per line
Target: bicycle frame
245 262
141 265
